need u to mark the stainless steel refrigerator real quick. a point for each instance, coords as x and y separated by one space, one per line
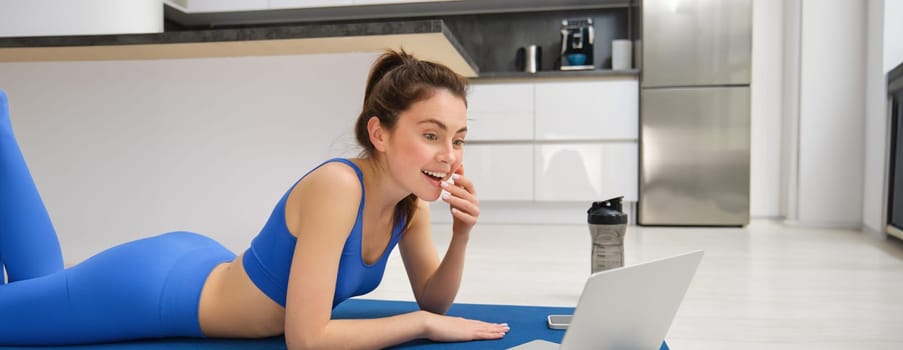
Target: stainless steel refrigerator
695 112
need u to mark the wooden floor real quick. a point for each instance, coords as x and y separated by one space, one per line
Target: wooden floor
765 286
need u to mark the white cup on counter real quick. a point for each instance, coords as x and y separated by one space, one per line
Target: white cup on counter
621 54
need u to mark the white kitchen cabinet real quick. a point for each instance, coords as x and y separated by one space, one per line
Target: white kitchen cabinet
586 171
554 140
64 18
587 110
500 112
289 4
500 172
195 6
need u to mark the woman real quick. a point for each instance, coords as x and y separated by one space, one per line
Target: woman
327 239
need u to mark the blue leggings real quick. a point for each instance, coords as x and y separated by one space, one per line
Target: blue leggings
147 288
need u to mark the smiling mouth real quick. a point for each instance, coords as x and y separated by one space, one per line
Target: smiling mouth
434 175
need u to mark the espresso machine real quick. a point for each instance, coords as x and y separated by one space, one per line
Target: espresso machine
577 44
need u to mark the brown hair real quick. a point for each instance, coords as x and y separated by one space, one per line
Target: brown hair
396 81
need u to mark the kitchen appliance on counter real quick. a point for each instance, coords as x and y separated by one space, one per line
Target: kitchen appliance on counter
695 113
577 38
529 58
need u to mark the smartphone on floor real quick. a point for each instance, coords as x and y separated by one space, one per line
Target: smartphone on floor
559 321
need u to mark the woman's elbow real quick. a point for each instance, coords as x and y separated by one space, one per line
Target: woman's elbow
295 343
298 341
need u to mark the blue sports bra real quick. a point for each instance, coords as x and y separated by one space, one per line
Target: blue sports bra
269 258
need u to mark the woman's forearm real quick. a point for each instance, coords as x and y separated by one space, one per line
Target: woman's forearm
375 333
441 289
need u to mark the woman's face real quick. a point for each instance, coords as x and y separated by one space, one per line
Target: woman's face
427 145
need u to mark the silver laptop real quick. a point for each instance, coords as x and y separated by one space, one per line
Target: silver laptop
627 308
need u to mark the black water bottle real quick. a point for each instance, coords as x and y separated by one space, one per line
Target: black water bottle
607 226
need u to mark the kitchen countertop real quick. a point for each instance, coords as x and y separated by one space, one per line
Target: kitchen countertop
556 74
428 39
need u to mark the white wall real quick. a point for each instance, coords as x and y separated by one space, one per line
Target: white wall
893 33
766 101
831 145
820 90
790 90
875 116
127 149
83 17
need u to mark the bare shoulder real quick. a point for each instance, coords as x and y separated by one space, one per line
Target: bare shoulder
332 176
329 194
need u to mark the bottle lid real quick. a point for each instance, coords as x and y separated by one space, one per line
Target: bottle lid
608 212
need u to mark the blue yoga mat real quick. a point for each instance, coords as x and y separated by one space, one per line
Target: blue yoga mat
527 323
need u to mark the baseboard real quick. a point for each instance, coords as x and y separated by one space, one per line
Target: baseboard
869 231
827 225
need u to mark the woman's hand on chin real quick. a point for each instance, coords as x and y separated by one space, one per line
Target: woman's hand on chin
462 198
